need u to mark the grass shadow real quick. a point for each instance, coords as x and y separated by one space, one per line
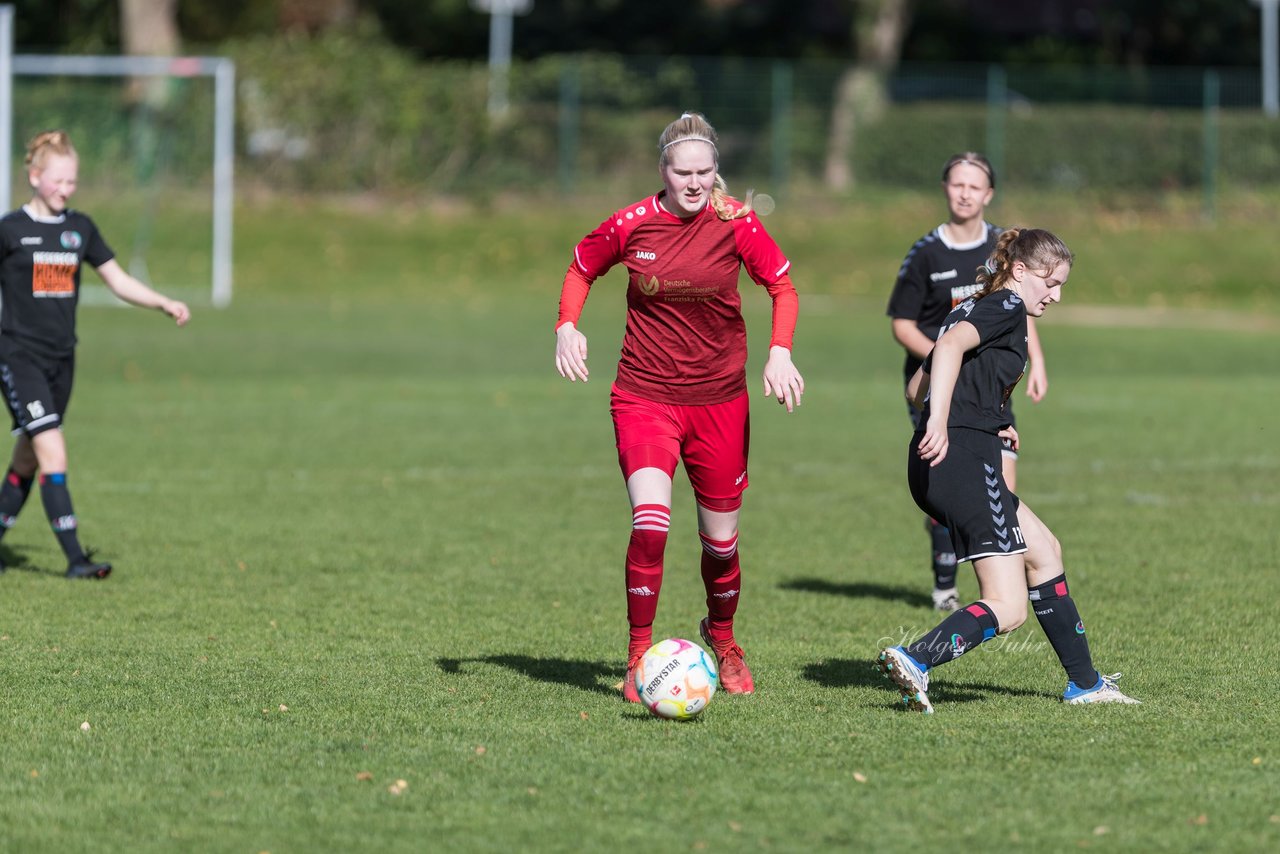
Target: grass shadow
844 673
952 692
862 673
860 590
11 559
585 675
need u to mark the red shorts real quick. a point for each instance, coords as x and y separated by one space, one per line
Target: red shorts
711 440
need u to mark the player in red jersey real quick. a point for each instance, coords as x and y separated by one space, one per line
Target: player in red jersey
42 248
681 388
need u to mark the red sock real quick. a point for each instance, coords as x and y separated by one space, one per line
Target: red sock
722 577
649 526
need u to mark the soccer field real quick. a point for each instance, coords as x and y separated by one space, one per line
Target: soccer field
368 594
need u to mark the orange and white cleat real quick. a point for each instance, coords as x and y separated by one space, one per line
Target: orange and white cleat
630 692
735 677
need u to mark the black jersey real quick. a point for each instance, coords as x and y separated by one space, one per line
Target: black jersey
40 260
935 277
990 371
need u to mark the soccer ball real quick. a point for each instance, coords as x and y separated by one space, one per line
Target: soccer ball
676 679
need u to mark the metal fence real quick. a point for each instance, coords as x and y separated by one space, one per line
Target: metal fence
351 116
1067 128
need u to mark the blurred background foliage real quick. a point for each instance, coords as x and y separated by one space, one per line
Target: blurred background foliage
370 120
1111 32
390 96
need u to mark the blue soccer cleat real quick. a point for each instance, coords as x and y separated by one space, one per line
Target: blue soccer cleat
1106 691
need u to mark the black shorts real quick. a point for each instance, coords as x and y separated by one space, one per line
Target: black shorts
36 389
966 492
1006 445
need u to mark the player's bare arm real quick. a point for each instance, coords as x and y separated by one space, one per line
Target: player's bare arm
906 333
1037 376
134 292
947 356
918 389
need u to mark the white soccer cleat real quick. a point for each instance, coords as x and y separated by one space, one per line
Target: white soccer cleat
1106 691
946 600
912 682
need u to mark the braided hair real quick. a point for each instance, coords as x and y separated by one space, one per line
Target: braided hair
1036 248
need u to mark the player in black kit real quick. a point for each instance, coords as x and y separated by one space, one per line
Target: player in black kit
42 247
963 389
938 274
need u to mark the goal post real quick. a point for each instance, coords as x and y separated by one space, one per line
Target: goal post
219 167
6 103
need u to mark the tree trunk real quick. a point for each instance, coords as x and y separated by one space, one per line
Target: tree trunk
313 16
879 29
149 28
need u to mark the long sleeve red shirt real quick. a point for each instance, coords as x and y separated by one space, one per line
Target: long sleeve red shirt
685 339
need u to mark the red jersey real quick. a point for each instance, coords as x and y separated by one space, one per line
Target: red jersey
685 340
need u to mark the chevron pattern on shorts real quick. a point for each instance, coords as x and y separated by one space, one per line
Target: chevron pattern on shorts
997 509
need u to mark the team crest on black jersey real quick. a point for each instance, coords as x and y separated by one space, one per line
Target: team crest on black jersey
71 240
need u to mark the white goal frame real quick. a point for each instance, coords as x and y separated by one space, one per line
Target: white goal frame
223 72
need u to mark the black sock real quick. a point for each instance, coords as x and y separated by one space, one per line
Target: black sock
956 635
1061 623
57 506
13 494
944 556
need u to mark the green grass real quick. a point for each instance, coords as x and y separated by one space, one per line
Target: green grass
363 495
1155 252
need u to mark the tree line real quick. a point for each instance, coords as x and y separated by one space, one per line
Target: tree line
1220 33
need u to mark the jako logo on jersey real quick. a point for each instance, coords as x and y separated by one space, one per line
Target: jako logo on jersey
32 241
36 408
938 277
646 256
641 591
728 594
71 240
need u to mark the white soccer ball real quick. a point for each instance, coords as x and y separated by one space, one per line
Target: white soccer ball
676 679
